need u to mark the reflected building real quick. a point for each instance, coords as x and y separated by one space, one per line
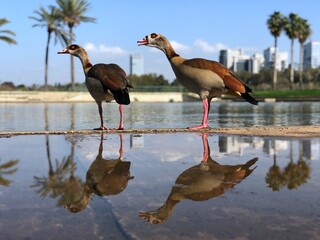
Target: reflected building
136 141
308 149
231 144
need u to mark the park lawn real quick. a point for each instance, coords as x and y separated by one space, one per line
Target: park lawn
313 93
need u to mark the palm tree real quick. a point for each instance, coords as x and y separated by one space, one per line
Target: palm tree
6 169
276 23
292 31
3 33
52 21
72 12
304 33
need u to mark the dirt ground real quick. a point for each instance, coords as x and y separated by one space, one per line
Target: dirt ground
262 131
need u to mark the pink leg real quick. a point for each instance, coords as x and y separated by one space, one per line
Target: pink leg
121 125
205 147
102 126
121 147
206 108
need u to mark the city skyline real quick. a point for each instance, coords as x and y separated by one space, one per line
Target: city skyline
193 30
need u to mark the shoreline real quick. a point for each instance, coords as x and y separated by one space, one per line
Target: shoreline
257 131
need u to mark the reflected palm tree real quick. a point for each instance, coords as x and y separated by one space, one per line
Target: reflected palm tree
72 185
54 182
201 182
104 177
274 176
298 173
292 176
7 168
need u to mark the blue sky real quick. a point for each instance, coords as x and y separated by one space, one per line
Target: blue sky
196 29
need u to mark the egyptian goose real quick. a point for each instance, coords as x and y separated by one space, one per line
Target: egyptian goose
104 177
204 77
104 82
201 182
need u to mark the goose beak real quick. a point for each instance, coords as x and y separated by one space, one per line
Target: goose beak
64 51
143 42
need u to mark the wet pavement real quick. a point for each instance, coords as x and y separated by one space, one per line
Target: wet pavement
159 186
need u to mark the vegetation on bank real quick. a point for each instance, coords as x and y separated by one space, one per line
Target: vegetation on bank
305 93
259 92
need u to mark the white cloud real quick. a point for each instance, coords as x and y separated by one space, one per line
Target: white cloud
207 48
90 47
179 47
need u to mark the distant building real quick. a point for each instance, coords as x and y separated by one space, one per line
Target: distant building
228 57
136 64
282 59
237 61
311 55
256 62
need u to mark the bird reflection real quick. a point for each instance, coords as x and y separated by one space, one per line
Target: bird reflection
201 182
104 177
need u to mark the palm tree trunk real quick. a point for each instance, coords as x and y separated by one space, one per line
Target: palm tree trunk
275 63
46 120
46 63
71 60
300 65
292 65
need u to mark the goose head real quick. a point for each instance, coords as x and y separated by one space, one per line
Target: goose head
154 40
74 50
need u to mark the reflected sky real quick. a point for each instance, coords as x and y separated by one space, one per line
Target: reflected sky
193 186
65 116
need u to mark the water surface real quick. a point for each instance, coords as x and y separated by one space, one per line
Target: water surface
65 116
159 186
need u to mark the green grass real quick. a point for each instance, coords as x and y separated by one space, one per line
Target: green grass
288 93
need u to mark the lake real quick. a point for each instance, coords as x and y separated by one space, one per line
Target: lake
59 116
158 186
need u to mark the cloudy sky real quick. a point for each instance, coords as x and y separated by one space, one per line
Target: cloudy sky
195 29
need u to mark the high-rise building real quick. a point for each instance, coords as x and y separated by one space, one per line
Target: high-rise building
282 59
255 63
237 61
136 64
311 55
229 58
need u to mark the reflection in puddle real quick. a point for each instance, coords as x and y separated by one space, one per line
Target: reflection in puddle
201 182
238 196
104 177
7 168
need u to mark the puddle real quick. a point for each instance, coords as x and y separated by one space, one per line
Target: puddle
159 186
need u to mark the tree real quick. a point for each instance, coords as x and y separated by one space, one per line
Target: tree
303 34
52 21
276 24
6 169
72 12
4 33
292 31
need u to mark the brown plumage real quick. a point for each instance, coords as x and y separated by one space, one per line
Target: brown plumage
104 177
204 77
201 182
104 82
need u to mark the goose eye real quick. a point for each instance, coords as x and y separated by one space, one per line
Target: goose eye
153 35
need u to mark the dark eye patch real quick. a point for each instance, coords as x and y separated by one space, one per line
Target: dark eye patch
73 47
153 35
